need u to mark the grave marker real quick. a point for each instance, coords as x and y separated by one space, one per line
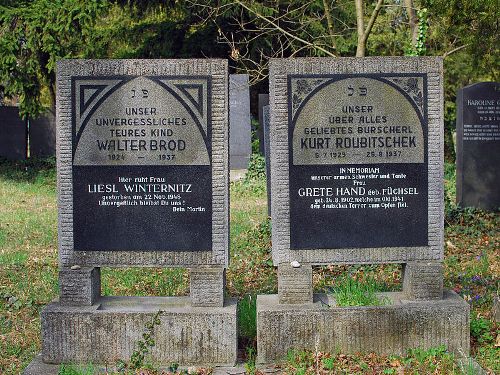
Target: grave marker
263 101
356 177
239 121
478 146
142 181
13 134
42 135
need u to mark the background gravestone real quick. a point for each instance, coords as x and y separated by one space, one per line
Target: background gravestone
357 177
263 101
43 135
142 181
478 146
13 134
267 146
240 144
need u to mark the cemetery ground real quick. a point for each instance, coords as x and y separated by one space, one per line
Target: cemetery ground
28 276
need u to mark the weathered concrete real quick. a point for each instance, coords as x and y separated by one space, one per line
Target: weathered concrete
38 367
391 329
295 284
263 101
496 309
423 280
207 285
79 286
265 125
110 330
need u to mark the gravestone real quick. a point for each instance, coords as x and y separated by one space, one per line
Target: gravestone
478 146
356 178
13 134
265 127
42 135
142 181
263 101
240 137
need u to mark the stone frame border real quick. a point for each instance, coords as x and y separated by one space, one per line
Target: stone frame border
218 70
279 69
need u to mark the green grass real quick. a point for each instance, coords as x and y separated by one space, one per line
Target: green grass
76 370
28 274
352 292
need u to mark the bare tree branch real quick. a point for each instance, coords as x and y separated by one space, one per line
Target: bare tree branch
312 45
363 33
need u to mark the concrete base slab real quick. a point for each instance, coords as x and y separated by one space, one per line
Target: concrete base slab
390 329
110 331
38 367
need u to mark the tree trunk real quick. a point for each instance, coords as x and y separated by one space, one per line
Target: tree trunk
360 21
329 21
412 21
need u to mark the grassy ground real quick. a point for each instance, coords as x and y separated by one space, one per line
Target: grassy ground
28 275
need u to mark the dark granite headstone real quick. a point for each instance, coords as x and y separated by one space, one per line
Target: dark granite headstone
43 135
263 101
267 148
13 134
478 146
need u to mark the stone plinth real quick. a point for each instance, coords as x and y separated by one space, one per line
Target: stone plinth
391 329
111 329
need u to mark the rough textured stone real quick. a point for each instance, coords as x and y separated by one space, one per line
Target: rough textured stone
13 134
280 69
478 146
295 284
265 125
423 280
43 135
263 101
217 71
207 285
110 331
496 309
391 329
38 367
80 286
239 121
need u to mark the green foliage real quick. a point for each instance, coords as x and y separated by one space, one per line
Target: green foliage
69 369
247 317
328 363
35 35
480 328
256 168
420 49
352 292
147 342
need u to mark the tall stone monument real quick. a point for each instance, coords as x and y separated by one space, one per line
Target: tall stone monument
240 141
478 146
357 178
142 150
